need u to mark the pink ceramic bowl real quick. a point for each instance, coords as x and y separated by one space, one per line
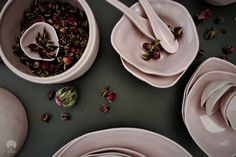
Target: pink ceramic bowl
10 18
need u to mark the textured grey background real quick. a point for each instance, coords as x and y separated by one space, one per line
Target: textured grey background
137 104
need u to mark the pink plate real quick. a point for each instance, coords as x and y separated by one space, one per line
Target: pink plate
153 80
139 140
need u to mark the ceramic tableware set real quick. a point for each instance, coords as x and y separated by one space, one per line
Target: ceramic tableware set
127 40
208 107
209 102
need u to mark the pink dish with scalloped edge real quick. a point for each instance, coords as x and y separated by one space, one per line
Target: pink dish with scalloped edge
127 40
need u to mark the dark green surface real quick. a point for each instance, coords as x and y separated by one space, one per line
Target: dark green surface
137 104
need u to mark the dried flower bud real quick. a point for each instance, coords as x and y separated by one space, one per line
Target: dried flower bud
104 108
228 50
146 56
51 94
219 20
67 60
156 55
66 97
45 117
209 34
200 53
178 32
111 96
65 116
104 91
203 15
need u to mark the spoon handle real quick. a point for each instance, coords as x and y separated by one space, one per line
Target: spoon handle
159 28
141 23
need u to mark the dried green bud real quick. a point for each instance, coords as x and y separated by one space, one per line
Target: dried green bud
219 20
178 32
146 56
66 97
209 34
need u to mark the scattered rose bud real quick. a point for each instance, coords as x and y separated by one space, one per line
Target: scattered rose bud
51 95
228 50
104 108
203 15
200 53
104 91
45 118
111 96
209 34
65 116
146 46
66 97
219 20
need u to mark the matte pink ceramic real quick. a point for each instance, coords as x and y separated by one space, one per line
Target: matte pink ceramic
10 18
142 141
13 124
209 132
211 64
153 80
127 40
224 104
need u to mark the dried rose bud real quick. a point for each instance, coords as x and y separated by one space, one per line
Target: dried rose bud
65 116
51 94
33 47
67 60
45 117
66 97
203 15
219 20
63 30
44 66
200 53
156 55
36 64
104 91
228 50
72 49
111 96
146 46
178 32
146 56
209 34
104 108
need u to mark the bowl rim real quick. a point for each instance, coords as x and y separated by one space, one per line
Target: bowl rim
71 71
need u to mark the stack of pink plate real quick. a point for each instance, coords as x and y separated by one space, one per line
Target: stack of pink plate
205 98
121 142
127 40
